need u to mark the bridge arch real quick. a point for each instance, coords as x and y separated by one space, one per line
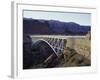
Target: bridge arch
47 44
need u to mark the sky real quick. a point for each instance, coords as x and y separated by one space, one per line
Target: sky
80 18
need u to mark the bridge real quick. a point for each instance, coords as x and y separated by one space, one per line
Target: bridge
57 43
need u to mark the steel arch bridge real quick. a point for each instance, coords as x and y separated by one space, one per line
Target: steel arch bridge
57 45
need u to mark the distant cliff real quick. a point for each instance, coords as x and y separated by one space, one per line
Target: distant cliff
53 27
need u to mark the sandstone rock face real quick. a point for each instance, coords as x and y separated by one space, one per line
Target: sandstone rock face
81 45
72 58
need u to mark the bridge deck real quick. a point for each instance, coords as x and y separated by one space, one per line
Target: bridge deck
57 36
